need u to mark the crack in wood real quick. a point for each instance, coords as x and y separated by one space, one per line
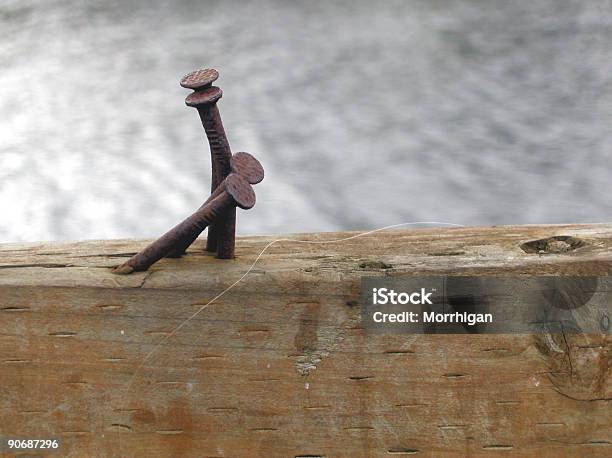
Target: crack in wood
497 447
403 451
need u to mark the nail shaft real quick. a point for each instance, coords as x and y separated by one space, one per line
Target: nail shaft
196 223
220 158
236 192
180 248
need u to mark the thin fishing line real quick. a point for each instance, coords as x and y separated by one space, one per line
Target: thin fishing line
248 271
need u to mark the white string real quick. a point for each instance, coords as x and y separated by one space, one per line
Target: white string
226 290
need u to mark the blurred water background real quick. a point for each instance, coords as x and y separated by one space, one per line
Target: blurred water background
364 113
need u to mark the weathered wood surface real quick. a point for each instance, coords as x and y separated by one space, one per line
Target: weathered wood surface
280 366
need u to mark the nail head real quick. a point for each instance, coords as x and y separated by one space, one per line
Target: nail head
209 95
200 78
240 190
248 167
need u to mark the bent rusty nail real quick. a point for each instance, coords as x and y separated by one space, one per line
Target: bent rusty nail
236 192
204 99
243 164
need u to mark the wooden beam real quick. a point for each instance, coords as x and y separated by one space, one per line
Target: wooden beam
279 365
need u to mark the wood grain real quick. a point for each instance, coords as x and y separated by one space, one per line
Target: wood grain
280 366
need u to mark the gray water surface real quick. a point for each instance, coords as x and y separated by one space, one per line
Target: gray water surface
363 113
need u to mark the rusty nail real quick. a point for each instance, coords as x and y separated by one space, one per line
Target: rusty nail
243 164
226 233
236 191
204 99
